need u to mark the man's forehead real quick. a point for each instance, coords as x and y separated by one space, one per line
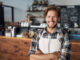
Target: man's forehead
52 12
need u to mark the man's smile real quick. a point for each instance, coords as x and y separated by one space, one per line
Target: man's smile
51 22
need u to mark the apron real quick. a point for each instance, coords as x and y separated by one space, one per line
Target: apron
48 45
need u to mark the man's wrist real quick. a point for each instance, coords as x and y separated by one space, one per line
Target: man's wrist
52 56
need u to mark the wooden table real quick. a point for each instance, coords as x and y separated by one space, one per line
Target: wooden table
12 48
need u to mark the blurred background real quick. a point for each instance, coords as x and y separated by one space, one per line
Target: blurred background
20 19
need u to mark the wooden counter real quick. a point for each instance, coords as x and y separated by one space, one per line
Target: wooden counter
12 48
75 48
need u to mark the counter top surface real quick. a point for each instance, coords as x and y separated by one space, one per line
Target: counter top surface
13 48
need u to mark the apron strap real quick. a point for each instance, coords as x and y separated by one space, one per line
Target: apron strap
40 35
58 36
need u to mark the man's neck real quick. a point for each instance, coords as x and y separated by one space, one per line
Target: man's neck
51 30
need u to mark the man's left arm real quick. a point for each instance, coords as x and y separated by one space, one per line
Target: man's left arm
66 47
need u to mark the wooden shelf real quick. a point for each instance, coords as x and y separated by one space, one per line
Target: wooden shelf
35 10
15 24
36 17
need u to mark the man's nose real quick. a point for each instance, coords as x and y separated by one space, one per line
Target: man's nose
51 18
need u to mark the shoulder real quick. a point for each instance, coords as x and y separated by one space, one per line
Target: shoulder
38 32
63 32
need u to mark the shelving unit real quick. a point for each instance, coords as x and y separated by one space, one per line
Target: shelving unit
36 10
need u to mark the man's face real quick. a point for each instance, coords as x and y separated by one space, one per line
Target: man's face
51 19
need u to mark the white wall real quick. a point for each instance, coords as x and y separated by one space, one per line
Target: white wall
0 0
65 2
22 5
20 8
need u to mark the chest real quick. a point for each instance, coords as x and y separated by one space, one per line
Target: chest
49 45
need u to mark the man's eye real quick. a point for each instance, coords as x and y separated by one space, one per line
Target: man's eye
48 16
54 16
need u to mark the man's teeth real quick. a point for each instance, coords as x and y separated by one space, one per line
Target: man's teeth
51 22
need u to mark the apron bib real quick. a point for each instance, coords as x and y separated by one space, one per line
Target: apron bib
47 45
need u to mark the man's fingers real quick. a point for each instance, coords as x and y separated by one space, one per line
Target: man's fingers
38 52
57 54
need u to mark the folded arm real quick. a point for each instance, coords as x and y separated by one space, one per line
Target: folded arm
66 47
39 55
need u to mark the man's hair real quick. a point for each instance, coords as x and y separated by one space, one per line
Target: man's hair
52 7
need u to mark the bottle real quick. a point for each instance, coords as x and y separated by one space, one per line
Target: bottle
45 2
40 2
34 5
35 2
13 31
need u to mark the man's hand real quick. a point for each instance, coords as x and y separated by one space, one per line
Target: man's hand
57 54
38 52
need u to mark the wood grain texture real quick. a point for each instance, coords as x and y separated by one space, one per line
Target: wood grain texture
75 50
14 49
17 48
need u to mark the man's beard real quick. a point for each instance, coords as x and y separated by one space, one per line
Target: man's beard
52 27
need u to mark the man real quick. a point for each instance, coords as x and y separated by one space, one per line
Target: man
51 43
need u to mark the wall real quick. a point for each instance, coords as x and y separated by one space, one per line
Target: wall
65 2
22 5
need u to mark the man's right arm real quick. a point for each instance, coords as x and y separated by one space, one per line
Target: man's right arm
34 44
41 56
